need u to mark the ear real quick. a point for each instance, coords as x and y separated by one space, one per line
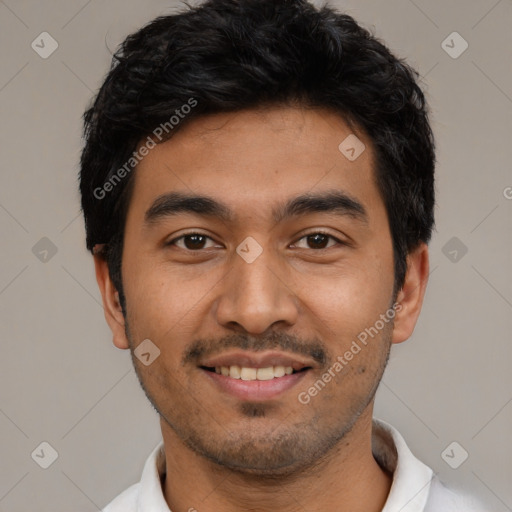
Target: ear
410 297
111 305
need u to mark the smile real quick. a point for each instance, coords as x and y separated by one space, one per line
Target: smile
248 373
255 384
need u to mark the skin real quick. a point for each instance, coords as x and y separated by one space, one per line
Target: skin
224 453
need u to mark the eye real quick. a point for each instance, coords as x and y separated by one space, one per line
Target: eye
319 240
191 241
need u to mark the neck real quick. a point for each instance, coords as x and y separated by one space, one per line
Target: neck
340 481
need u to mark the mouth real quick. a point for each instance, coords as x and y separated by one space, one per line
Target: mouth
255 376
254 384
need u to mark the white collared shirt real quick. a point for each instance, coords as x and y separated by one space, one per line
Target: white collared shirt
415 488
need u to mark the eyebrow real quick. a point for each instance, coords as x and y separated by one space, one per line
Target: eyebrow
332 201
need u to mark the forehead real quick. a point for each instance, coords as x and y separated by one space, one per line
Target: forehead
251 158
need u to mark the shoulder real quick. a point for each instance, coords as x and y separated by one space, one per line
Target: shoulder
415 486
126 501
451 500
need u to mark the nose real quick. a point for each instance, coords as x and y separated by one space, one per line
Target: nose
255 296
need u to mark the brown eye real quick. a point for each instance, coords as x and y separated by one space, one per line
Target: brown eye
319 240
194 241
191 241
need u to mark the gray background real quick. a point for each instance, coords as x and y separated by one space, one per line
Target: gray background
62 380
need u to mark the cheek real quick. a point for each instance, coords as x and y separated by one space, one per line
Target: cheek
348 302
163 302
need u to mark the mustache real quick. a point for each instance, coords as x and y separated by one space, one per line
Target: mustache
202 348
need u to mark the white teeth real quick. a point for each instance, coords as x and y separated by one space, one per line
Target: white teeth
279 371
245 373
234 371
265 373
248 373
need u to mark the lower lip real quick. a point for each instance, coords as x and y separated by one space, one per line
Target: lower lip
255 389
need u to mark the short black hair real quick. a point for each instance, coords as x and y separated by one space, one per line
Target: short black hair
232 55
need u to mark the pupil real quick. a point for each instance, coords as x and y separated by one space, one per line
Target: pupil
317 237
196 242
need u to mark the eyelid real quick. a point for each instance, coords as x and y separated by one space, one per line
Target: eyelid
303 235
189 233
321 231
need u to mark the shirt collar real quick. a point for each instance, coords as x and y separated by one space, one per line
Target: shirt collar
409 490
411 478
151 496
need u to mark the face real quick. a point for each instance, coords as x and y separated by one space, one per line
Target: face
285 261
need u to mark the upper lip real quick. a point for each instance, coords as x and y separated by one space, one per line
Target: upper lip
256 360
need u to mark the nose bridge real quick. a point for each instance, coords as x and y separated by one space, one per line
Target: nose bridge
255 277
254 296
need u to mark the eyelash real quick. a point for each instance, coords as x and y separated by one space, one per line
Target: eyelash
316 232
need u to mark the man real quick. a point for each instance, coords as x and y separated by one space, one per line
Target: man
258 190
